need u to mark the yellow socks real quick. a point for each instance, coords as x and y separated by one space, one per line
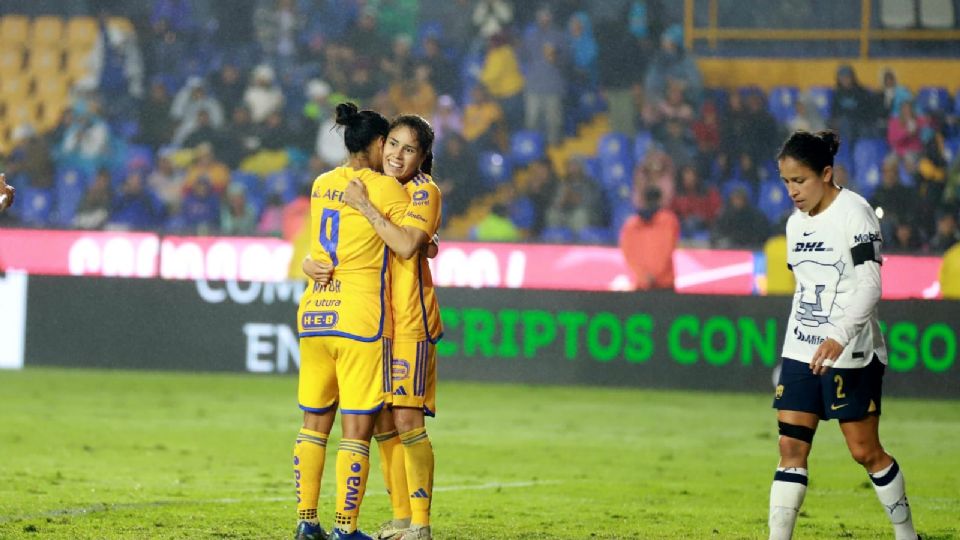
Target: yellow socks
353 466
418 458
309 453
394 473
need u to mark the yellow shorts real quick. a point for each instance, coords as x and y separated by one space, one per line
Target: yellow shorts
340 370
414 375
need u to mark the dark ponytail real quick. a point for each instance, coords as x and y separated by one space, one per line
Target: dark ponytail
815 150
361 128
425 137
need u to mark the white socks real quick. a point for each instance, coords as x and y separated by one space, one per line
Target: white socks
892 493
786 496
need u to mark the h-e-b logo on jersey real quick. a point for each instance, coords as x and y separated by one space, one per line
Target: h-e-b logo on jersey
804 247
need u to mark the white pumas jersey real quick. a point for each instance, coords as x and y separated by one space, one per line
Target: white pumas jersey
831 255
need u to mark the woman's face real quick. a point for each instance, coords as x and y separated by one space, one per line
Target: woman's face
402 155
806 188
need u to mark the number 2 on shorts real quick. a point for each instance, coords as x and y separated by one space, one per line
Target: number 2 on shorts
839 380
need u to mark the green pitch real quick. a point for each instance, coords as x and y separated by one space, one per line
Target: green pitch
97 454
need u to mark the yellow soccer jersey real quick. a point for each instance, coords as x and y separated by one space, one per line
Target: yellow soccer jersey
356 302
416 312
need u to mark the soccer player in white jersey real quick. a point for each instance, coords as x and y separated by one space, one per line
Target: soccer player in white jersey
833 353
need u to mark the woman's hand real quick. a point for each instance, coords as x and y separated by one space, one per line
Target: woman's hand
318 271
827 353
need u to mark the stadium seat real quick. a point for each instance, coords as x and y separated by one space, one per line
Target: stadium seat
71 184
81 33
46 30
613 147
823 97
14 88
78 63
774 201
615 174
933 99
11 61
22 111
494 168
641 145
45 61
622 210
35 207
14 29
523 213
733 184
557 235
783 102
51 110
596 235
526 146
868 155
938 14
898 14
281 183
591 166
53 86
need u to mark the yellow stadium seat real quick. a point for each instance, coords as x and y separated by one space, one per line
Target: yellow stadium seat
45 60
81 33
21 112
14 29
16 87
47 29
780 279
51 109
51 86
950 274
78 63
122 24
11 60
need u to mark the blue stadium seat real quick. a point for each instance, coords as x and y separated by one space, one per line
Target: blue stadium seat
613 146
596 235
868 156
557 235
494 168
616 173
592 167
35 206
774 201
951 148
523 213
783 103
641 145
933 98
283 183
733 184
590 103
823 97
747 91
70 186
526 146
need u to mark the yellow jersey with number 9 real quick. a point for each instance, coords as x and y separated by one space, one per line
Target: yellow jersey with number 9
416 311
355 304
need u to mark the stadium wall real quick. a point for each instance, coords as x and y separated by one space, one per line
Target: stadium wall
660 340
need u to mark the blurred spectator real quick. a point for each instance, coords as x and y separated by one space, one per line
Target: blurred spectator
697 206
706 136
399 62
621 62
893 94
764 132
946 234
277 25
931 175
496 226
240 139
228 85
134 207
166 181
329 143
673 62
30 157
541 186
363 84
274 134
271 219
673 107
237 215
740 225
904 132
174 15
481 118
413 93
491 17
315 111
94 210
854 109
576 204
898 202
200 209
188 103
545 52
648 240
808 117
457 175
205 166
502 77
86 142
840 175
117 67
656 169
263 96
156 126
397 17
906 238
583 50
677 143
203 132
363 40
447 119
735 131
443 75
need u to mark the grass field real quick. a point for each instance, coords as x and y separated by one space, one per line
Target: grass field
98 454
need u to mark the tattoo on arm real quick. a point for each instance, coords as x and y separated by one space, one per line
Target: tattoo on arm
372 214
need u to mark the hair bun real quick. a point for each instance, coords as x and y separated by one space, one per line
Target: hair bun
831 139
347 114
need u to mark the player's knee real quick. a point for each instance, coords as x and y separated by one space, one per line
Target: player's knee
407 418
867 455
795 440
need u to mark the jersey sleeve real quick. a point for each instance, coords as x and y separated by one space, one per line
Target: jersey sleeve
863 236
393 199
423 212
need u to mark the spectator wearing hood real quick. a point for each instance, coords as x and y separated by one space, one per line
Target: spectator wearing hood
673 62
263 96
237 215
808 117
200 209
583 50
648 239
854 107
893 93
188 103
86 142
740 225
576 203
545 55
134 206
503 78
31 157
447 119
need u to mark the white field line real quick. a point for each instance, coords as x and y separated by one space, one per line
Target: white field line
714 274
102 507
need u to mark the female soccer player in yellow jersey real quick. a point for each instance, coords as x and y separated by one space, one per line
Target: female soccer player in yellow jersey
407 455
345 326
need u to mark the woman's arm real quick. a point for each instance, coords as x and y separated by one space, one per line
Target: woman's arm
404 241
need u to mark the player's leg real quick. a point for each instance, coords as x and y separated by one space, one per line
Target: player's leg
394 475
317 396
414 397
799 403
858 399
360 368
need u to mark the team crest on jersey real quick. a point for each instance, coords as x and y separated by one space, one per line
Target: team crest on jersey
816 303
779 391
399 369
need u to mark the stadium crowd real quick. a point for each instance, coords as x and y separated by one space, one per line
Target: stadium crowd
214 117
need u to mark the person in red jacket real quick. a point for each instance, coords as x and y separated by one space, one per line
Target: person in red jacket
648 240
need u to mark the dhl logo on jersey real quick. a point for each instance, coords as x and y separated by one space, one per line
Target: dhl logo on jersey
319 320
